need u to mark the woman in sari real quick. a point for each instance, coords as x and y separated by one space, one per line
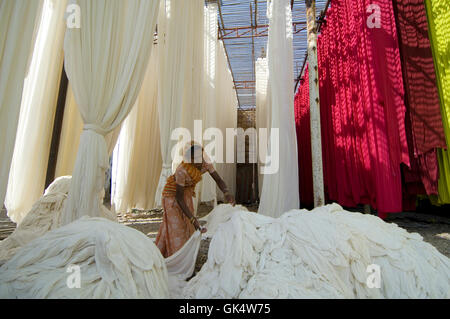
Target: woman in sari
179 221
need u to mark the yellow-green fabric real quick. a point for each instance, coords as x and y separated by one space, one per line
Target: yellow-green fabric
438 13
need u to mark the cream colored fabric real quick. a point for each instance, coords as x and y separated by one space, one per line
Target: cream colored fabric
115 261
137 160
34 133
323 253
210 91
17 26
45 215
70 137
105 60
226 117
280 191
72 127
175 23
261 76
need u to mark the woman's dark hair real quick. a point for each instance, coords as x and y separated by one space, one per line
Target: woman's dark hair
194 152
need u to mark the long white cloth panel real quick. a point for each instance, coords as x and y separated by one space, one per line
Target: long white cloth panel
34 133
17 26
280 191
226 117
209 105
106 60
261 76
137 160
173 41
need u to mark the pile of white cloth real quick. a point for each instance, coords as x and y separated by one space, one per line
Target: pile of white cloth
88 258
43 217
324 253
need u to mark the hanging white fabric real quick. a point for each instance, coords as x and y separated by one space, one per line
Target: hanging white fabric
105 60
261 78
174 39
18 24
280 191
34 133
137 160
69 141
209 105
226 118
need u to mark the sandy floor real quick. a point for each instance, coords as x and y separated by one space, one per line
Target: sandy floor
434 229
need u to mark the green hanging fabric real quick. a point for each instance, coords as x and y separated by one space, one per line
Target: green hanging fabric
438 13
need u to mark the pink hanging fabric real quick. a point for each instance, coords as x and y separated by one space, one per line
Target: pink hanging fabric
424 121
303 129
362 109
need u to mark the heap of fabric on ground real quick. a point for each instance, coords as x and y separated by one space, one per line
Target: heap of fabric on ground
324 253
43 217
115 261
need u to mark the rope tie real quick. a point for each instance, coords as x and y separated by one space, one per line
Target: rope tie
95 128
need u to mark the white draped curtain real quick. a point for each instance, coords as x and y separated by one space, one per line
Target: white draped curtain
226 117
18 22
280 191
262 119
209 105
106 60
137 160
34 133
69 140
175 37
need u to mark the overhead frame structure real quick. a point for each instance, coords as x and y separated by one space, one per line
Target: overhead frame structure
243 28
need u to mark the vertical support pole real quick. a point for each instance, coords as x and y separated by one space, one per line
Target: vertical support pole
314 104
57 128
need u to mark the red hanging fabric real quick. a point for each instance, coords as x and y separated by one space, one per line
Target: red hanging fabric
424 120
303 129
362 110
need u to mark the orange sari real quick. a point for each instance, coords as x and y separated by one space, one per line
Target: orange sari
176 229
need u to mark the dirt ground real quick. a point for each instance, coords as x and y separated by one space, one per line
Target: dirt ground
434 229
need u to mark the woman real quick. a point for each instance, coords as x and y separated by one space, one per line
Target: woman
179 222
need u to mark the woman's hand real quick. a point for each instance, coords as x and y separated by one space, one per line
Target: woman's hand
198 227
230 199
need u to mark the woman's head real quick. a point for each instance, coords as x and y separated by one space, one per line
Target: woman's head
194 155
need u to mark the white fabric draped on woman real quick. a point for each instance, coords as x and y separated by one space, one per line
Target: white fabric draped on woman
106 60
34 133
280 191
17 26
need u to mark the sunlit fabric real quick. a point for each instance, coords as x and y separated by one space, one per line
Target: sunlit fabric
438 13
37 112
18 23
424 130
362 108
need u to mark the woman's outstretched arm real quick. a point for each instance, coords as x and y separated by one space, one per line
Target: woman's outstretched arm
180 200
223 187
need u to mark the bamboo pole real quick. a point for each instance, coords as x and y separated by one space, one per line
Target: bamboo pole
314 104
